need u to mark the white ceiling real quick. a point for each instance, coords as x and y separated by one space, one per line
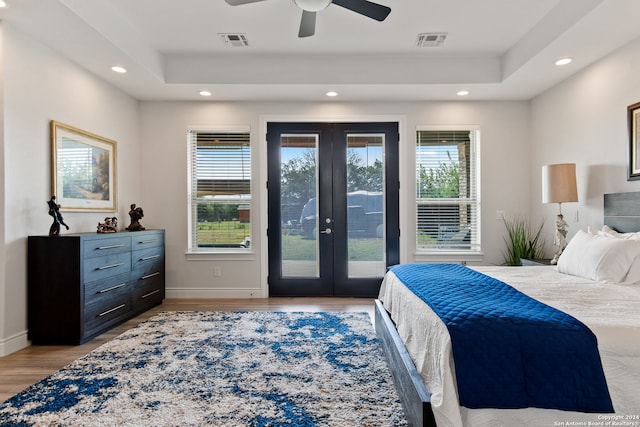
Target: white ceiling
496 49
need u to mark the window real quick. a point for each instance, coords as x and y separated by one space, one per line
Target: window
220 190
447 190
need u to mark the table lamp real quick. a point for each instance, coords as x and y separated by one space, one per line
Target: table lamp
559 186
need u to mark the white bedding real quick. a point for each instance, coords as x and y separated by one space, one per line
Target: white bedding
611 311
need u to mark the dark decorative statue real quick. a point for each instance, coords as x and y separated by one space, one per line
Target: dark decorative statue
54 211
136 215
110 225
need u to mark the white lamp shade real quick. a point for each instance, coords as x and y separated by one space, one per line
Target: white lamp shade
559 183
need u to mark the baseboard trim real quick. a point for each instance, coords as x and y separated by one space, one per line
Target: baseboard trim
214 293
14 343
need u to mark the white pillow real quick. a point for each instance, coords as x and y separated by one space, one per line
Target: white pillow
601 258
610 232
633 276
593 231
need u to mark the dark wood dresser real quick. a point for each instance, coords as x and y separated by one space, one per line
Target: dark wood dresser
80 285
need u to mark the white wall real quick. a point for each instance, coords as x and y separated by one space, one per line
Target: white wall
583 120
505 175
39 86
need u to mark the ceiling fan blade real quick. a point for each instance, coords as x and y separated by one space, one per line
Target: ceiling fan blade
364 7
307 24
241 2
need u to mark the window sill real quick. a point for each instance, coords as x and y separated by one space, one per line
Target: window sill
220 254
448 256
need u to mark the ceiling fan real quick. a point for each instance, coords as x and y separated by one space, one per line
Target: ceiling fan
310 7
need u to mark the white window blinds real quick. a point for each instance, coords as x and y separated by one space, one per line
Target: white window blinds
220 189
447 202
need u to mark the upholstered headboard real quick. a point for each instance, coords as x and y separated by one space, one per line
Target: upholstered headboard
622 211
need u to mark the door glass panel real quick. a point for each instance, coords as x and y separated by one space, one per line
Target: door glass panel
365 206
299 210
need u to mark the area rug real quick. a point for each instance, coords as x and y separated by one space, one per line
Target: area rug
222 369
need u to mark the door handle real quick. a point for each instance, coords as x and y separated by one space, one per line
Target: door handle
326 231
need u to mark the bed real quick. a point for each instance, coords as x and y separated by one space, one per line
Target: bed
608 306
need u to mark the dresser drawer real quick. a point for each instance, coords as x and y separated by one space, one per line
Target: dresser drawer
147 258
106 288
144 240
142 277
107 310
148 293
102 247
106 266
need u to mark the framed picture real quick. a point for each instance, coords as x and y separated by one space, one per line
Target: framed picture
633 120
83 170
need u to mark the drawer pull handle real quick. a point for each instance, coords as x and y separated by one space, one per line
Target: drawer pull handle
149 294
150 275
147 258
106 267
112 288
146 242
100 248
111 311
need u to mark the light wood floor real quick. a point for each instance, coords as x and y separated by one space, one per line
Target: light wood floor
28 366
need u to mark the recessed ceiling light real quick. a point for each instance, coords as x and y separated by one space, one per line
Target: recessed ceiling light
563 61
205 93
332 93
119 69
462 93
3 3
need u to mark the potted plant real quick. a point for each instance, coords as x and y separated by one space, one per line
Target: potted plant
522 241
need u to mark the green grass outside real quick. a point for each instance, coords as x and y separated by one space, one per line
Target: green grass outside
301 248
426 239
294 247
222 233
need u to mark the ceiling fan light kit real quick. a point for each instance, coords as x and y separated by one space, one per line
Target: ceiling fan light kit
310 7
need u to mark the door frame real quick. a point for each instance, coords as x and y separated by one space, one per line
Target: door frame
262 221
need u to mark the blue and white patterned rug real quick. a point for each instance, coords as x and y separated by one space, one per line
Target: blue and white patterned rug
222 369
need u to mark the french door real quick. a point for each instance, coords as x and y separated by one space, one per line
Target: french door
333 207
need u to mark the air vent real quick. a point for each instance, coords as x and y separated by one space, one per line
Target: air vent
235 40
431 39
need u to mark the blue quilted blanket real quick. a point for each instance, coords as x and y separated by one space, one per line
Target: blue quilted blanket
510 350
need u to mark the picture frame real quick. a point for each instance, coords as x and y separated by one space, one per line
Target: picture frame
83 169
633 121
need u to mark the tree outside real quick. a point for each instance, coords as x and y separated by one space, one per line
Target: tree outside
440 182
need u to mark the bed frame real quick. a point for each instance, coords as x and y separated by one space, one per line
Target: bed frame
414 396
621 212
